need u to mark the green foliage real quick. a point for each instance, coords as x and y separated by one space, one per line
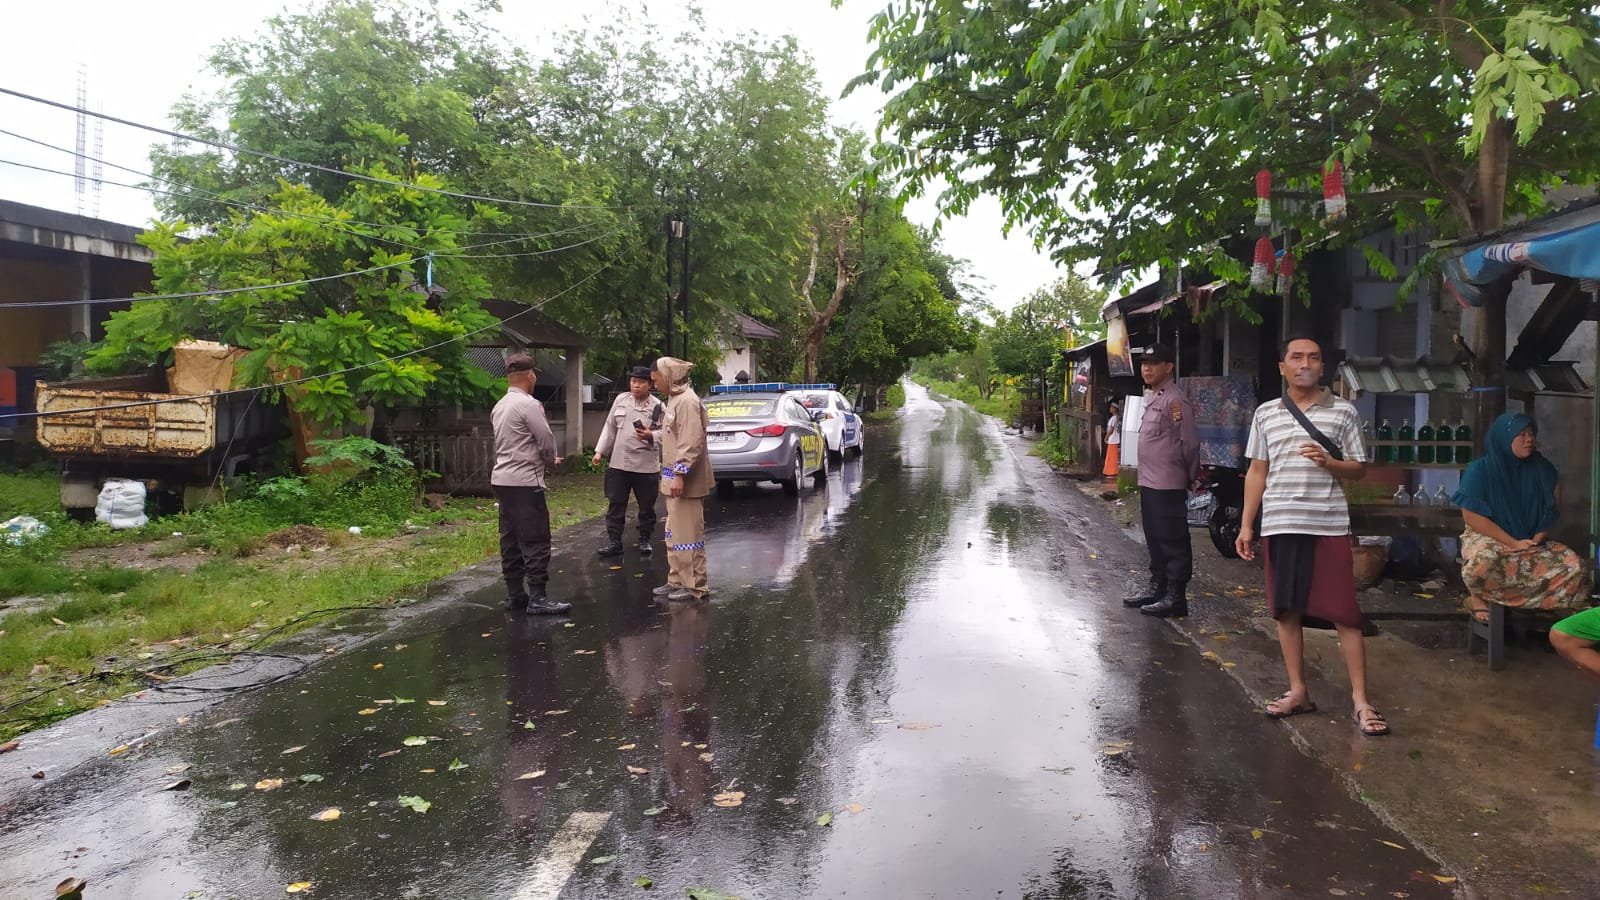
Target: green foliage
1029 338
1129 133
63 359
896 396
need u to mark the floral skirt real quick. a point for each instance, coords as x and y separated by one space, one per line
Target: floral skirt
1548 577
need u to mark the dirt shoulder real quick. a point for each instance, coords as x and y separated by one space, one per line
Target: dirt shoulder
132 614
1492 773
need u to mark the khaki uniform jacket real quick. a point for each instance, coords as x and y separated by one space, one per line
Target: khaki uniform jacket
683 443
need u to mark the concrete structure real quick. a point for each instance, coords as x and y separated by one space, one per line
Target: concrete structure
737 353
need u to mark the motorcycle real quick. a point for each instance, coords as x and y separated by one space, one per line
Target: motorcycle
1217 505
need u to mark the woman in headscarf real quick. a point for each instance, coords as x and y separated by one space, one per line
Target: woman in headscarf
686 479
1509 498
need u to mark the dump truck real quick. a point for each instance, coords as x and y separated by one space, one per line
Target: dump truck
184 447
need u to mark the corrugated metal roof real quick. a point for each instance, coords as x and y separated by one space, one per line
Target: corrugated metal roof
1384 375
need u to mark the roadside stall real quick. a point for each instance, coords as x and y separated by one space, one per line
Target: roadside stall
1562 251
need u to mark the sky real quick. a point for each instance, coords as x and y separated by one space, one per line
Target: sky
142 57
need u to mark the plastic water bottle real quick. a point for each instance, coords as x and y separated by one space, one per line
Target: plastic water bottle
1441 498
1401 497
1421 497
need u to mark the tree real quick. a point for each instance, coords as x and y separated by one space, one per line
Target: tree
1028 338
406 340
1128 133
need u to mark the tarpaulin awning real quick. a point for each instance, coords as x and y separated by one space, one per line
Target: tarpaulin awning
1566 244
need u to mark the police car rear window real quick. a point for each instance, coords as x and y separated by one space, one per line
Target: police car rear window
814 401
739 408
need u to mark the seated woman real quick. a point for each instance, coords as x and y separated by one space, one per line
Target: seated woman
1509 498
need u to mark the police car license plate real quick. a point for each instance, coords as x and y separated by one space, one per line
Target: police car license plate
719 437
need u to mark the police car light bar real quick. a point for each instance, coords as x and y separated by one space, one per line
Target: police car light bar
770 387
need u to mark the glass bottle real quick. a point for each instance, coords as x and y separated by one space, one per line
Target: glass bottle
1441 498
1406 452
1463 453
1425 444
1385 435
1401 497
1420 498
1444 436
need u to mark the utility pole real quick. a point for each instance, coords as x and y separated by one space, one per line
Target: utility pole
676 228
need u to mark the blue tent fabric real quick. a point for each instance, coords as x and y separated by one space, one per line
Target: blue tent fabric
1573 252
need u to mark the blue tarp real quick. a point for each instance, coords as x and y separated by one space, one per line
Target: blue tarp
1567 245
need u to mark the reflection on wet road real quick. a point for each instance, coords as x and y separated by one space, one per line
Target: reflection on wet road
915 655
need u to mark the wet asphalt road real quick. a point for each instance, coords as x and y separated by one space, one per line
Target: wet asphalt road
918 650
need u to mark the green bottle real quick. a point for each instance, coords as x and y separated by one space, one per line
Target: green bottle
1407 437
1385 450
1463 453
1425 444
1443 436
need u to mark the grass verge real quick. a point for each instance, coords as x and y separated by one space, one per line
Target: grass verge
1003 404
98 632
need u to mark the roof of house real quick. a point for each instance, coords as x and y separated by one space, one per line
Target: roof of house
531 327
37 226
753 329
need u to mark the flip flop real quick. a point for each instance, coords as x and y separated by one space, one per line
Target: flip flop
1480 614
1375 724
1307 707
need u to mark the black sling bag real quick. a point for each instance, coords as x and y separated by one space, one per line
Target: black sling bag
1316 433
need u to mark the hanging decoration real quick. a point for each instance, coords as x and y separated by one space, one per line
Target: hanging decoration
1263 199
1286 264
1333 203
1261 270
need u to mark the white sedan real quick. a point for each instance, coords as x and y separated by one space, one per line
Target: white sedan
841 425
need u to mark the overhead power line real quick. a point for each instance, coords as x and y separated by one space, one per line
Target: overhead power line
223 292
135 404
262 154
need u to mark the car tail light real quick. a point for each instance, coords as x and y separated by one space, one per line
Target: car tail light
773 430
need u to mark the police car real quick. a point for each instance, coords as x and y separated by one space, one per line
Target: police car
762 432
841 426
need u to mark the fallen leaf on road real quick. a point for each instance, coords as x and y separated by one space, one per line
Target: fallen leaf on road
238 786
9 746
627 746
57 621
437 702
788 801
39 775
1391 844
297 887
328 815
701 746
635 770
269 784
855 809
387 753
293 750
729 799
655 811
415 741
383 702
181 784
399 646
1444 879
700 893
556 712
883 721
1424 596
825 819
601 860
529 726
1338 892
457 765
428 771
1230 665
71 889
616 568
367 712
401 701
117 750
415 804
1256 833
179 769
707 757
644 881
377 665
917 726
528 776
584 652
311 778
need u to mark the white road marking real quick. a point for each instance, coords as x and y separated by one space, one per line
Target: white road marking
553 869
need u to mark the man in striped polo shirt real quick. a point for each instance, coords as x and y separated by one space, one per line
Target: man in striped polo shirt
1295 481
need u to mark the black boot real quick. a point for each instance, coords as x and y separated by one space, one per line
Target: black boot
1154 591
612 548
1175 605
644 547
540 604
515 603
